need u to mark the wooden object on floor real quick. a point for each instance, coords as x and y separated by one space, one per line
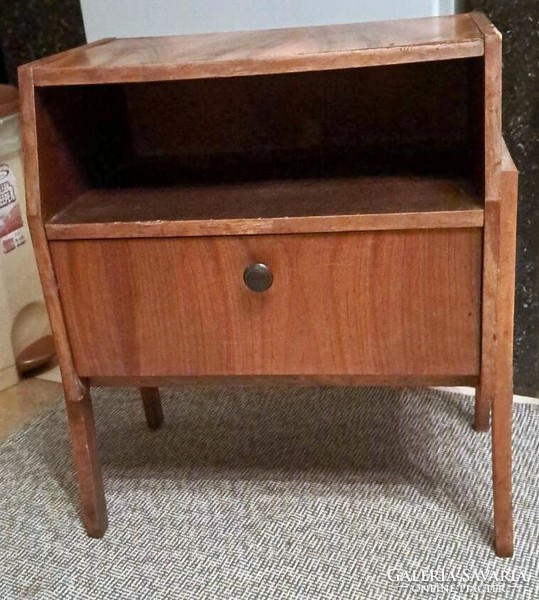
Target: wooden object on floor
36 355
254 208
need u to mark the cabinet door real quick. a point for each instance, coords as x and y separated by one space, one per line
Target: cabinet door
367 303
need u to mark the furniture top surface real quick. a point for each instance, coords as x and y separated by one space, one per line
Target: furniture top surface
263 52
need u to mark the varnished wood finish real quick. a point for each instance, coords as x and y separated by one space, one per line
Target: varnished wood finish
264 52
485 391
492 89
495 388
86 460
495 391
151 162
289 206
503 394
346 303
72 387
289 380
68 53
489 73
153 410
35 355
77 394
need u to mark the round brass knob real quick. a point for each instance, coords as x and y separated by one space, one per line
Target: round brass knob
258 277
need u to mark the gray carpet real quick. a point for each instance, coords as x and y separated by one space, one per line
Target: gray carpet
270 493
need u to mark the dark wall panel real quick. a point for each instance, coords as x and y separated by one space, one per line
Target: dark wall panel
30 29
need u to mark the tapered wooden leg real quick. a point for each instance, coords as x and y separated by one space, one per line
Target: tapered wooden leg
497 346
482 409
501 472
152 406
88 470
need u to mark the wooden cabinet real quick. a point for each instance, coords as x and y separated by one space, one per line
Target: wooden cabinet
323 205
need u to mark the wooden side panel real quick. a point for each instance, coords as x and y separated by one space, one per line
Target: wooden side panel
82 136
492 105
476 124
376 303
496 379
508 239
72 385
503 396
489 81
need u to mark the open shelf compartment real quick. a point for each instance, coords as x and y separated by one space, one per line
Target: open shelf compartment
381 147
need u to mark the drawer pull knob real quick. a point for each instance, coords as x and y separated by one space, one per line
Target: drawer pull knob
258 277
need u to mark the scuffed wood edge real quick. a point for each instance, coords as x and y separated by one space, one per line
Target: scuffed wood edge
278 225
493 103
492 147
503 397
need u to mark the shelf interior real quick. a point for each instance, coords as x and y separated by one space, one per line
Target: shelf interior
367 202
343 150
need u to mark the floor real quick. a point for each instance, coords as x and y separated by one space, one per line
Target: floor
289 503
28 399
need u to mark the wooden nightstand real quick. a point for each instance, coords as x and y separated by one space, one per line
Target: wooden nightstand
325 205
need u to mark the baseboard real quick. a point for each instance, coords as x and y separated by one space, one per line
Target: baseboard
469 391
8 377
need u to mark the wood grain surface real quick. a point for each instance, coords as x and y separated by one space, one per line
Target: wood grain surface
394 273
488 74
496 382
80 418
73 387
289 380
376 303
492 106
503 397
262 52
289 206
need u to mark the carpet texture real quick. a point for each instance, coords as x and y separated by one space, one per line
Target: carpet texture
271 493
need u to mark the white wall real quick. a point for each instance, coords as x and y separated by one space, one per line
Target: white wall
127 18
